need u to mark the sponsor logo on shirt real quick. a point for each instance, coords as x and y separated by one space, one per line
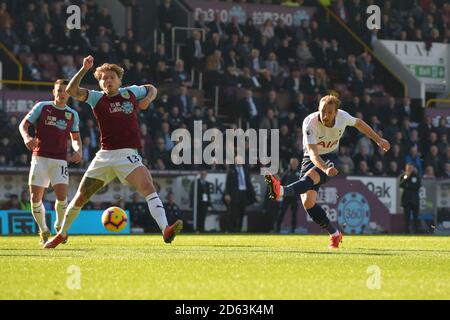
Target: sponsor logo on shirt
126 107
54 122
328 144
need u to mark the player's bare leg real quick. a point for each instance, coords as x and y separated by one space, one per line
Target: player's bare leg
87 188
38 211
141 179
319 216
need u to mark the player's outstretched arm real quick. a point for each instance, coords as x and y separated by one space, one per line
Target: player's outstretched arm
152 92
318 161
73 88
364 128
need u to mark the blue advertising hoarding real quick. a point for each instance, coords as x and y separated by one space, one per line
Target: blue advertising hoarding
18 222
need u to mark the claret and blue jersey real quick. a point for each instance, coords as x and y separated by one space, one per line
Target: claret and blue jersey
52 128
117 117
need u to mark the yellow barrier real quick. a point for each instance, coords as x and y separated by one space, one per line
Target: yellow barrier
14 59
431 101
365 46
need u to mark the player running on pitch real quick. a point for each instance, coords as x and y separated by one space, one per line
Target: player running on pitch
116 110
322 131
53 122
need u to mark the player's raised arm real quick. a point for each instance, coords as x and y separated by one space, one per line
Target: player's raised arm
364 128
73 88
152 92
318 161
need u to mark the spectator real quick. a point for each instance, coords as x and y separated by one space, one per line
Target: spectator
256 64
433 159
429 173
367 67
345 160
290 201
267 29
363 169
184 102
180 76
250 109
303 54
173 211
167 18
234 27
414 158
309 82
270 121
204 204
238 194
12 203
293 82
217 26
140 216
410 181
9 37
272 64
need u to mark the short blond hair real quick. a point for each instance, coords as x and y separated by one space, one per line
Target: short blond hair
330 99
108 67
61 82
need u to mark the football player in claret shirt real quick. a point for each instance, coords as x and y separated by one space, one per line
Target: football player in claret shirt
116 110
53 122
322 131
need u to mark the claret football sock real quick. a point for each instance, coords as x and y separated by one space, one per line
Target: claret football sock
38 211
157 210
60 208
298 187
72 212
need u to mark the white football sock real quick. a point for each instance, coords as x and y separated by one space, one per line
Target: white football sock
336 233
281 191
157 210
71 214
38 211
60 208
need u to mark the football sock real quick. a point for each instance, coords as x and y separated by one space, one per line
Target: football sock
60 208
71 214
335 234
298 187
157 210
38 211
319 216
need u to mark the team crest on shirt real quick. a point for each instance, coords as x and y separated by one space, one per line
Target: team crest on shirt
68 115
125 94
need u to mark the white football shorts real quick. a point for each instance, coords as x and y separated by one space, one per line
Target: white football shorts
44 171
109 164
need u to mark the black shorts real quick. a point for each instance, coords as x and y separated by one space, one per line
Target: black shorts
331 159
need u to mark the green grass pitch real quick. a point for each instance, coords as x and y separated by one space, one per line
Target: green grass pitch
227 267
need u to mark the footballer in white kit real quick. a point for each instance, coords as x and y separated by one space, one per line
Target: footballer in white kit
322 131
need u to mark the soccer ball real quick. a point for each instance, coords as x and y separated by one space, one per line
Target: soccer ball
114 219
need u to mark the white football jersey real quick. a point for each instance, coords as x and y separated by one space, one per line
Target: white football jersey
326 139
